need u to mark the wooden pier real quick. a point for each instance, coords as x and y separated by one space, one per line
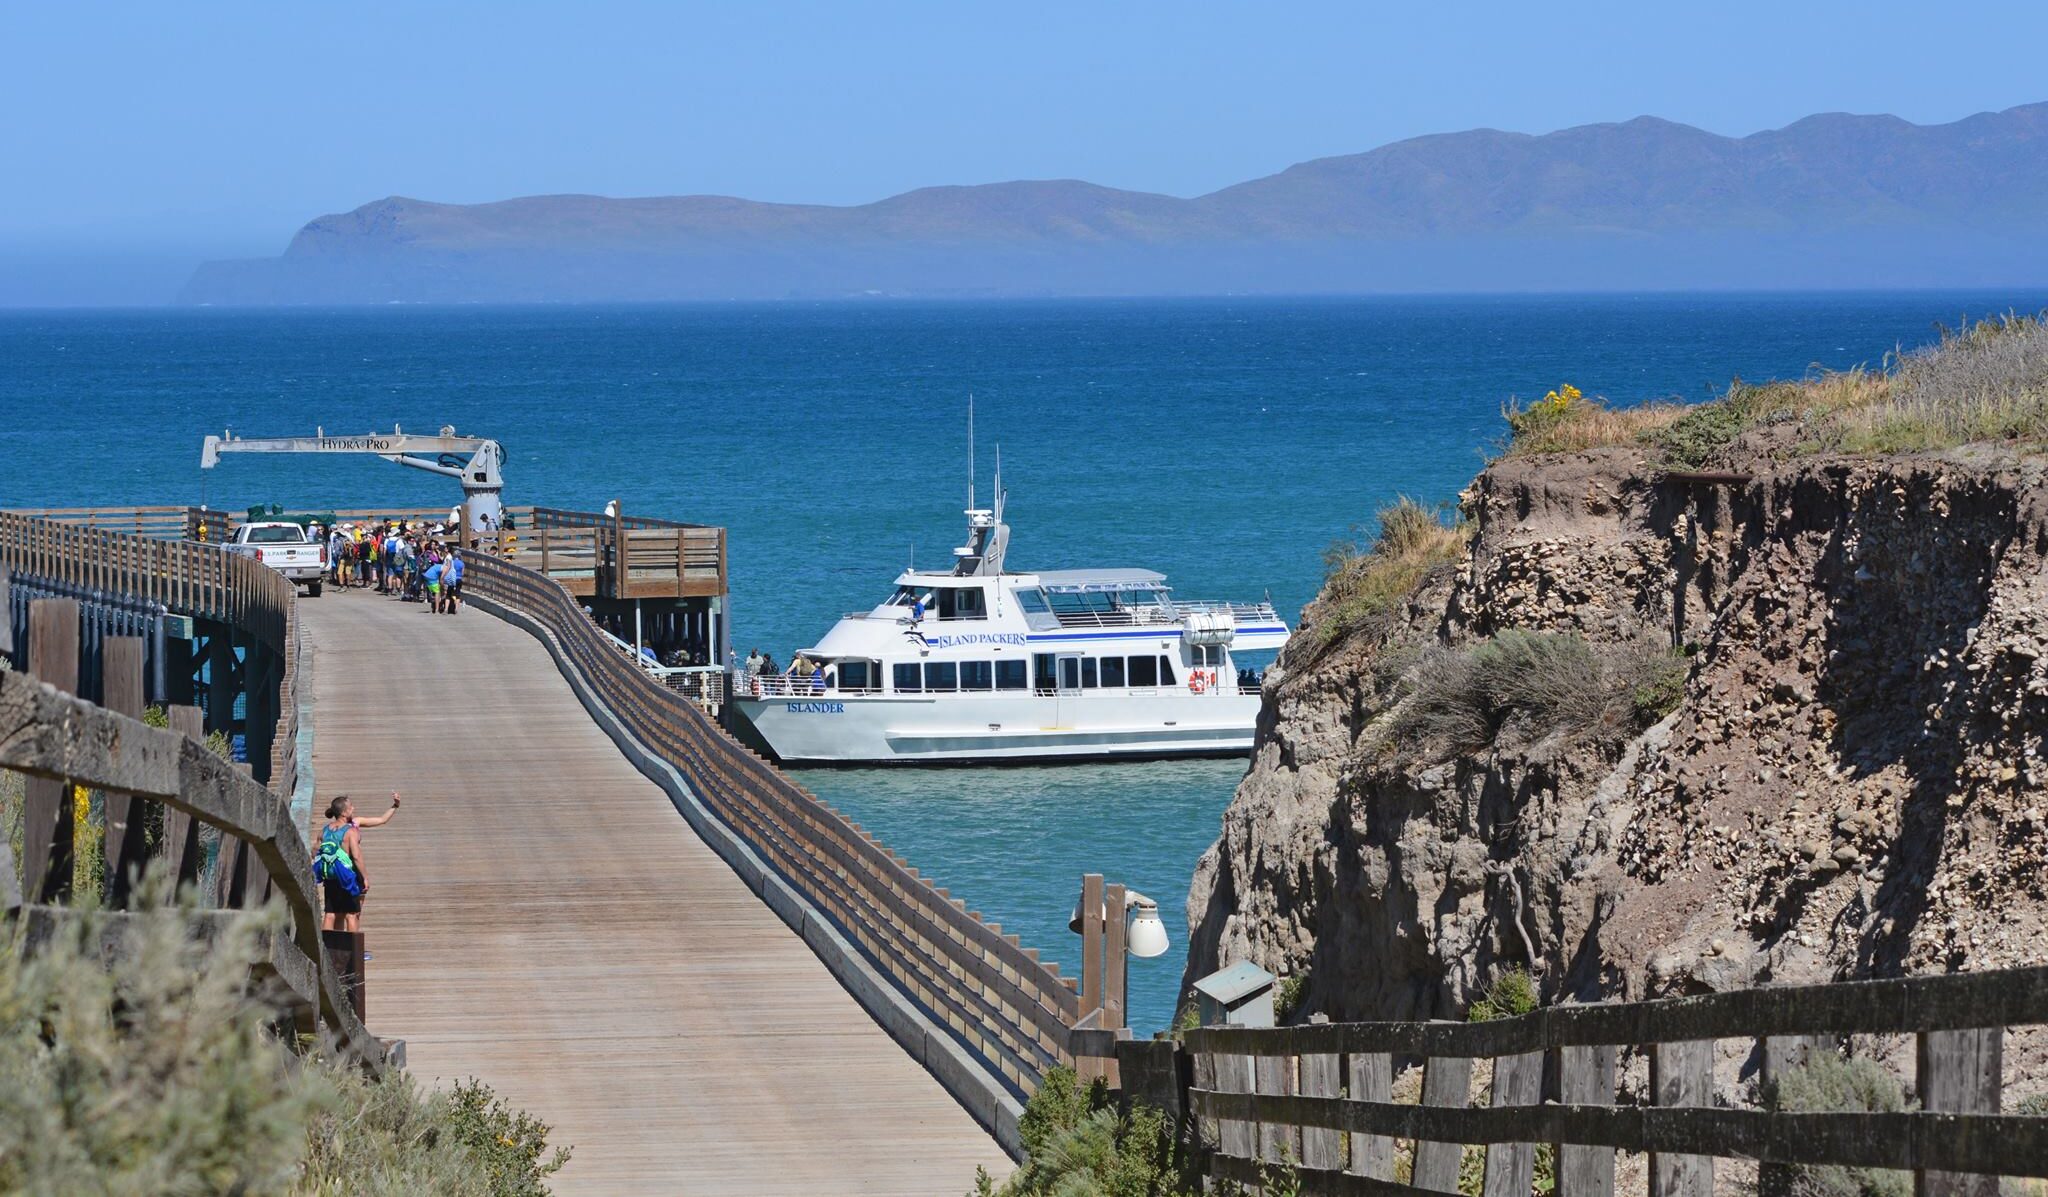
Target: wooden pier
540 917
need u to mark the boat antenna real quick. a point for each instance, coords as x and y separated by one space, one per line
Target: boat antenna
970 450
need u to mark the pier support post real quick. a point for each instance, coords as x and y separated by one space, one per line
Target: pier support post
47 817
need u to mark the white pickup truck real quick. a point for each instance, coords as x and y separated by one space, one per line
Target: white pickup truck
284 548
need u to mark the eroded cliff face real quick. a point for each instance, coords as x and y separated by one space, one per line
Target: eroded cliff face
1852 784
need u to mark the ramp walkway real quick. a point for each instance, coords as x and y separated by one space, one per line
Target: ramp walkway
541 918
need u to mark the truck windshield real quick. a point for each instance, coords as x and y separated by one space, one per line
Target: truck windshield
278 534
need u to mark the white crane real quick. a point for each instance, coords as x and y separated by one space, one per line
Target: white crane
481 471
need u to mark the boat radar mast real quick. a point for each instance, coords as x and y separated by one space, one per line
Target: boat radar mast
988 537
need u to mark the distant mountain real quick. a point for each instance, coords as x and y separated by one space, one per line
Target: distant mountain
1829 201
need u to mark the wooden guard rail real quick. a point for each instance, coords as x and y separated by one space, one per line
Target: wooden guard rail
186 578
1005 1005
1320 1095
618 556
56 737
192 579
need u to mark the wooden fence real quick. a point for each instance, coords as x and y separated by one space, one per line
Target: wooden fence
157 523
617 556
1320 1096
60 741
1012 1010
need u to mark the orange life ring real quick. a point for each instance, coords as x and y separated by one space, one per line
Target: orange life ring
1196 682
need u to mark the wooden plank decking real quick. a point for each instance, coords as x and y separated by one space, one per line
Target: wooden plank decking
541 918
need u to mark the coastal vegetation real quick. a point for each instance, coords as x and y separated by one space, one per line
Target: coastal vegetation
1832 1083
1985 382
1461 699
1362 586
163 1074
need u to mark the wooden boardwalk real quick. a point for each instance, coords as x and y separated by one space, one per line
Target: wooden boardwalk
541 918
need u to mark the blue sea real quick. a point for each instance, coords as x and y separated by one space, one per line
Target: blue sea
1225 442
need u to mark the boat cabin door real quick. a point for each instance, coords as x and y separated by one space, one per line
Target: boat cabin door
1068 691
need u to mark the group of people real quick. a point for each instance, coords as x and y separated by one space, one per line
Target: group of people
418 564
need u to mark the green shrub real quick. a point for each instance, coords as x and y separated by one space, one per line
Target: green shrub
1833 1083
1512 994
1077 1143
161 1075
1287 995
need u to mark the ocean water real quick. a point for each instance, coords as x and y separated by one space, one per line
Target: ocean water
1224 442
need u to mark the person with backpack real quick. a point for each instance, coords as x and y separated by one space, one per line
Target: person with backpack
338 863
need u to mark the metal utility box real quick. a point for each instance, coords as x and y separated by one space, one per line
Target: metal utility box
1240 995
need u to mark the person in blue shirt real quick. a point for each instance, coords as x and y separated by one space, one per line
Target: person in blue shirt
451 583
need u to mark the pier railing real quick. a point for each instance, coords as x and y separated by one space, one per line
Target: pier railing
182 576
1318 1098
617 556
998 999
62 743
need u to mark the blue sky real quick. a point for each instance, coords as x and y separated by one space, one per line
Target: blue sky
141 138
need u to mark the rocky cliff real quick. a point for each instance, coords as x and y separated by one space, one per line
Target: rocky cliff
1841 777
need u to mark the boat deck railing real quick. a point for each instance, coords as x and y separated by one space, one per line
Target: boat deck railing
1160 615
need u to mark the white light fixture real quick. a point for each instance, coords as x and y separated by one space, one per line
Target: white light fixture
1146 936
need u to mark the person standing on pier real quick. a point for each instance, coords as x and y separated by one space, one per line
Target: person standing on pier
338 864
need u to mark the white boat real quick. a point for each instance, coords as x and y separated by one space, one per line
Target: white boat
977 664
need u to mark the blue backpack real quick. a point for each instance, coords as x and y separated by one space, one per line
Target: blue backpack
333 863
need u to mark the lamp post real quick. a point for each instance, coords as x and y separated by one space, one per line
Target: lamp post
1114 923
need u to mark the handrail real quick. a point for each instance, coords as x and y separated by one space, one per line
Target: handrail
999 999
185 577
195 579
1319 1096
55 735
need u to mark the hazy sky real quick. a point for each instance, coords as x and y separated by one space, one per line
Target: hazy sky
141 138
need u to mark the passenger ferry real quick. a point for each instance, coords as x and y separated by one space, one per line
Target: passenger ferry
976 664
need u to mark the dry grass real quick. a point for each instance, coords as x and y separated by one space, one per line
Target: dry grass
1566 421
1983 383
1362 586
1535 683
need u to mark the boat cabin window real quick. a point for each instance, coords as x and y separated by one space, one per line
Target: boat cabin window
977 675
1010 675
941 675
909 678
1032 601
855 675
1088 681
1144 671
904 596
961 602
1113 673
1165 672
1070 673
1209 655
1041 672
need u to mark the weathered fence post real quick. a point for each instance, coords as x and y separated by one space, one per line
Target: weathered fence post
179 846
1682 1074
1372 1079
1151 1076
126 838
1446 1081
1517 1081
1959 1072
1585 1077
1782 1054
1321 1148
47 822
1278 1142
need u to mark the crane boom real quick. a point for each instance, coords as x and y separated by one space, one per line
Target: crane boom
481 473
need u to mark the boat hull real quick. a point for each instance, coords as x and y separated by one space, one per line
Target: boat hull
832 729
